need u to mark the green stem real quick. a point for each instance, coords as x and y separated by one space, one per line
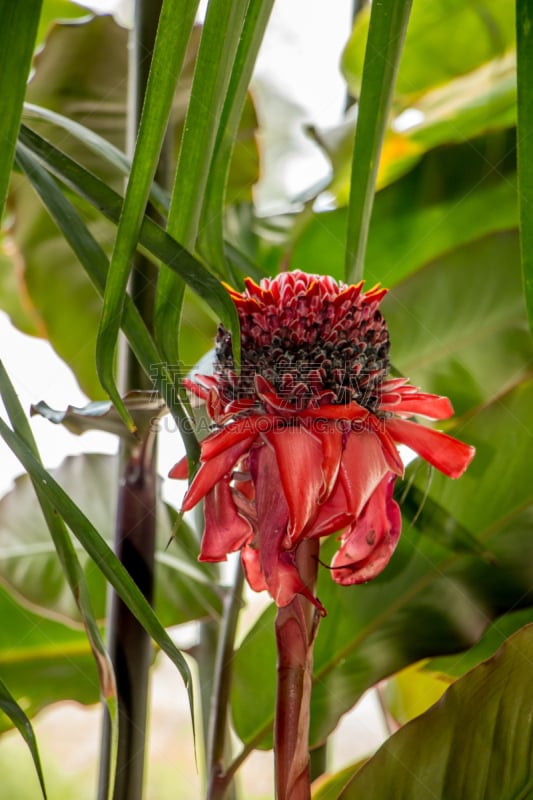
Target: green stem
295 626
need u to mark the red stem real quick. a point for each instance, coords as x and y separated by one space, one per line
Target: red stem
296 626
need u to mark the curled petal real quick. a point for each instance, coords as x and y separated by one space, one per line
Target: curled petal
369 544
225 530
442 451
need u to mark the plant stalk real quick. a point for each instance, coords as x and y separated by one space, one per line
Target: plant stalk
135 533
295 626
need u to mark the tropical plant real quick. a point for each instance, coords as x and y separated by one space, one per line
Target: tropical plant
130 231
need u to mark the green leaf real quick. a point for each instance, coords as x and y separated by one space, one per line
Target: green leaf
11 708
445 39
29 565
211 239
70 565
449 199
481 350
167 60
31 645
388 25
524 52
216 56
329 787
463 747
18 29
99 551
152 237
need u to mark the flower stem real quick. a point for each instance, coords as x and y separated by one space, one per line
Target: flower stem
296 626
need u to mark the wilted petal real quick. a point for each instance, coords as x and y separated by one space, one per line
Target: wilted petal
369 544
442 451
225 530
299 458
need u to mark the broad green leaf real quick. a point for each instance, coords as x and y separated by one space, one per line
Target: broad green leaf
476 742
468 107
18 29
216 56
446 38
11 709
329 787
427 213
524 46
427 601
413 690
386 34
481 349
31 645
492 639
167 59
99 551
184 589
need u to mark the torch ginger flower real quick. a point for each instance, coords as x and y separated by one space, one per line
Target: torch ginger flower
306 435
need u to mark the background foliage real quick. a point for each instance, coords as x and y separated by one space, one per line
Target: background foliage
444 236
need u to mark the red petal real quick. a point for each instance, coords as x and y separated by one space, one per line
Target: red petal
299 457
180 471
212 471
225 530
442 451
369 544
231 434
348 412
432 406
251 562
363 467
331 440
333 515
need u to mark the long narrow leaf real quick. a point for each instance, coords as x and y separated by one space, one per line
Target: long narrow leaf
158 197
211 235
388 25
69 562
18 29
11 709
99 551
169 52
95 262
524 143
218 47
156 241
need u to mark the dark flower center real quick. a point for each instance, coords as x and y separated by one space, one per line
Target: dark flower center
313 340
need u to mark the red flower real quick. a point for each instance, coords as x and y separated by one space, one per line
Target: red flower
306 436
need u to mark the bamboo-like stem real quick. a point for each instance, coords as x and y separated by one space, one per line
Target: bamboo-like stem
295 626
129 645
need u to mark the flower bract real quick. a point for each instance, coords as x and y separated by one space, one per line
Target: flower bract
306 434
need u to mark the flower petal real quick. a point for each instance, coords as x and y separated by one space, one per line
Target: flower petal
432 406
180 471
230 434
225 530
370 542
333 515
442 451
299 458
277 566
331 441
213 470
363 467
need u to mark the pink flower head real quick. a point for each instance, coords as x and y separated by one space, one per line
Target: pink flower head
306 434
